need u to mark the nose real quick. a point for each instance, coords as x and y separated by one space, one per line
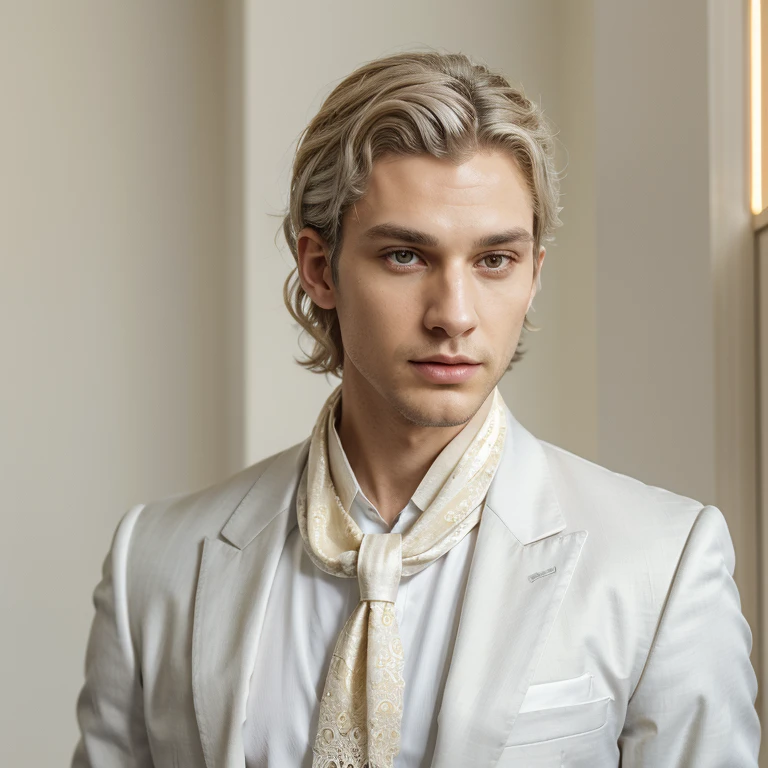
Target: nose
450 302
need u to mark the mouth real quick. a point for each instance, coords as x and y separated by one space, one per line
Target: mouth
445 373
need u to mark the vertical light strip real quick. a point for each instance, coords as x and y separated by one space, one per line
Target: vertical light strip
757 107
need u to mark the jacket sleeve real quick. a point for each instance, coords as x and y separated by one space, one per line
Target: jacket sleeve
693 706
109 707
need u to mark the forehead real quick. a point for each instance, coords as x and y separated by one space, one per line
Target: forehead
489 189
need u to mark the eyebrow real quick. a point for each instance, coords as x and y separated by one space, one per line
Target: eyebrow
416 237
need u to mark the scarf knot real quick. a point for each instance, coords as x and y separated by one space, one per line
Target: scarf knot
380 566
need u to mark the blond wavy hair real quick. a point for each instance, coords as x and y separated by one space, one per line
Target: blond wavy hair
443 104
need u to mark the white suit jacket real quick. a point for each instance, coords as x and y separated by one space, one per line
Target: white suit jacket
601 625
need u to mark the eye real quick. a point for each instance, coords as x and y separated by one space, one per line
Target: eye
397 252
500 262
496 257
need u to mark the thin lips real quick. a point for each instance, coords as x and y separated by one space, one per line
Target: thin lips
448 360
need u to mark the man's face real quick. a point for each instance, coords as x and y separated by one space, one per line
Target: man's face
404 297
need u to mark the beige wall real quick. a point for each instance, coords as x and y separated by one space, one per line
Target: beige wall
654 278
111 307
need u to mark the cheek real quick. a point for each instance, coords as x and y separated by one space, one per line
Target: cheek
501 313
375 315
381 301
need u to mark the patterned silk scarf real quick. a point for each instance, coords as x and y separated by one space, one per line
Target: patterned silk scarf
362 703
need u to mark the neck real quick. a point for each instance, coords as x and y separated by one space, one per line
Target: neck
388 453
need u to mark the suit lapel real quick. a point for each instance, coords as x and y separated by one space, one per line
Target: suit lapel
236 574
519 574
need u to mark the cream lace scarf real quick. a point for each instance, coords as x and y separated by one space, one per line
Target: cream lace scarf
362 703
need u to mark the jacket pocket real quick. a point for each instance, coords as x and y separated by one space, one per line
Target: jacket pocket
539 725
558 693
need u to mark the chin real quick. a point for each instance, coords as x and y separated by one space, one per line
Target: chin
439 405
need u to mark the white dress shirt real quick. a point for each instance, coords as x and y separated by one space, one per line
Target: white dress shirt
308 608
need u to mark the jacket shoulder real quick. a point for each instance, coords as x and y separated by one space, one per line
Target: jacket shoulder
167 535
176 521
616 506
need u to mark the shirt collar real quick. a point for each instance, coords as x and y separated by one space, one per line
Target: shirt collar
438 473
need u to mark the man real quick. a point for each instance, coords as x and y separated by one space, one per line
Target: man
420 582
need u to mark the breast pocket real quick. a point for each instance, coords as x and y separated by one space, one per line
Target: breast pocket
558 709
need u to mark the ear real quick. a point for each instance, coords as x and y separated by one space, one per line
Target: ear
537 282
314 269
